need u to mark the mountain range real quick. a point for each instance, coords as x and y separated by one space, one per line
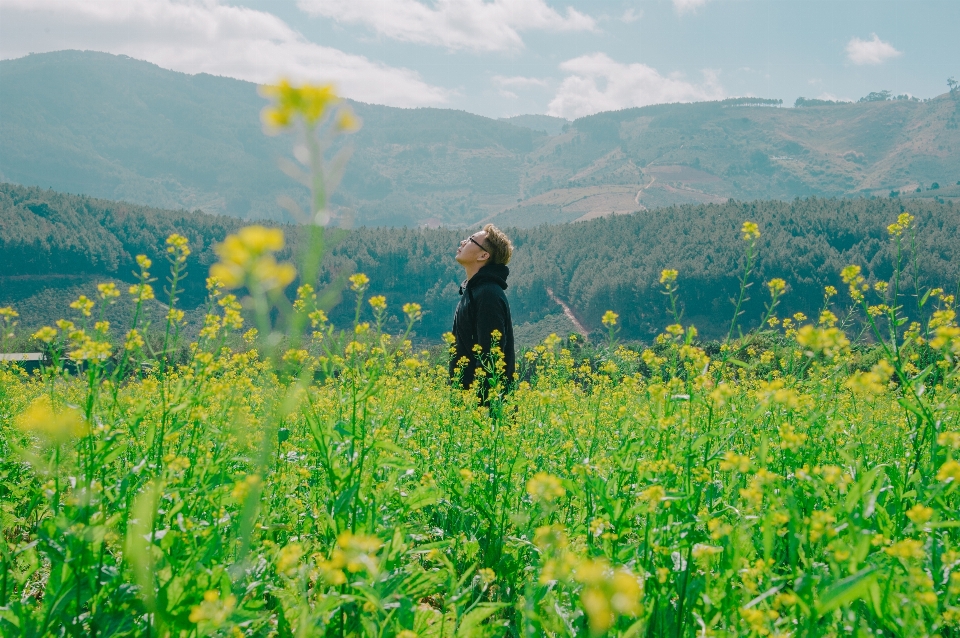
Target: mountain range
114 127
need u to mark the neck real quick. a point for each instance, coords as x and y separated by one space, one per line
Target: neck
473 269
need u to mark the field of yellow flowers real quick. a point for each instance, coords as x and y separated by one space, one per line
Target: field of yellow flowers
316 482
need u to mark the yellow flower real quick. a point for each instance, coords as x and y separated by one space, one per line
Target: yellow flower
247 257
144 262
873 382
945 336
828 341
296 356
610 318
949 439
8 313
750 231
733 461
359 282
919 514
850 274
668 276
178 248
607 594
908 548
45 334
242 489
487 575
348 122
134 340
55 427
309 102
705 552
718 529
776 286
903 223
545 488
378 303
289 557
83 304
413 312
653 495
949 471
108 291
357 552
758 619
213 610
141 292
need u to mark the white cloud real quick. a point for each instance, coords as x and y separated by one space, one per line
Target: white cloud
685 6
519 81
629 16
873 51
454 24
196 36
597 83
516 82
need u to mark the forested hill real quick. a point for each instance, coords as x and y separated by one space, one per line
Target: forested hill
55 246
110 126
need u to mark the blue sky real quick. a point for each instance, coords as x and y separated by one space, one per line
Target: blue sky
507 57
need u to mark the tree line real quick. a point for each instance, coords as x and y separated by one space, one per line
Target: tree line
604 264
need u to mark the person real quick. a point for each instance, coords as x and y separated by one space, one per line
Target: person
483 310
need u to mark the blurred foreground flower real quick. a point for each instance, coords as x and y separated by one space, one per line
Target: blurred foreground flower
311 102
53 427
607 594
545 488
247 258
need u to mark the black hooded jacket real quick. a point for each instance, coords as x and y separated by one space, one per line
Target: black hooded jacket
483 308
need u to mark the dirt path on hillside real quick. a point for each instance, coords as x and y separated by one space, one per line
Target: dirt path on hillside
640 192
569 314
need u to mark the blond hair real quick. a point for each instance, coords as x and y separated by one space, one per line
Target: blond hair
498 245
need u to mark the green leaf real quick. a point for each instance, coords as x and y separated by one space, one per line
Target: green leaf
472 623
847 590
423 496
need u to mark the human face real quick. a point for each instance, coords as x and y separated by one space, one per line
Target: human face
471 249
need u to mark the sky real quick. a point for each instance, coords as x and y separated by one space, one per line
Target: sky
500 58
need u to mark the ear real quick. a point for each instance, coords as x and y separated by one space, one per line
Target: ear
484 256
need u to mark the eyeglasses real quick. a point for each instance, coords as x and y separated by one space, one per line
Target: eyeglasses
478 244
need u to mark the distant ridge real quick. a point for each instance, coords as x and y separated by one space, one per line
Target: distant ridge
545 123
114 127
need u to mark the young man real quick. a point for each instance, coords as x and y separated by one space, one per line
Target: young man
483 308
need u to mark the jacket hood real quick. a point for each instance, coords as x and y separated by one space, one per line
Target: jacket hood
495 273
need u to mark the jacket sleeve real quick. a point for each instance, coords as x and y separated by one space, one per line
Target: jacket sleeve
491 315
